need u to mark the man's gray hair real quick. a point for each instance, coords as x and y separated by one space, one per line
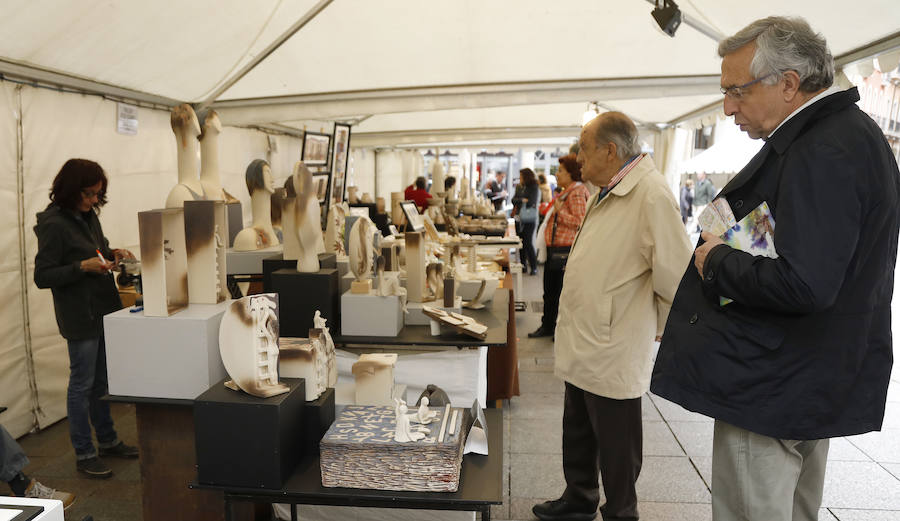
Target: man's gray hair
785 44
616 127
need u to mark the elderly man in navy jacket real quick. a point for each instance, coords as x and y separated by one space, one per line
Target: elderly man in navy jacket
803 353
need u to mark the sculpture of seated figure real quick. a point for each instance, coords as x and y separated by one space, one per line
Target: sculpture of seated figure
403 431
424 415
260 233
187 129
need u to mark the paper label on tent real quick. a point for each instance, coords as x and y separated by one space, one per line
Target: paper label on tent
126 119
477 440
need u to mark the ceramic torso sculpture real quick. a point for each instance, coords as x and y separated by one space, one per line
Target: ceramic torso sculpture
308 227
210 128
361 248
186 128
260 234
248 343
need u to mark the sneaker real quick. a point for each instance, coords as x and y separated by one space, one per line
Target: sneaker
539 332
120 451
38 491
562 510
94 468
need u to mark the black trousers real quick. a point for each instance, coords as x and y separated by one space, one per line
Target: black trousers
602 436
527 254
553 283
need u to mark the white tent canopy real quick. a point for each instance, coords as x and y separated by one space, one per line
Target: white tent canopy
362 59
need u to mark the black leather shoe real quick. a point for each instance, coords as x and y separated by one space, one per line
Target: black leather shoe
562 510
93 468
120 451
539 332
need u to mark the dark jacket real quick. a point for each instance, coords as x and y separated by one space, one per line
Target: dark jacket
80 299
687 202
532 193
804 351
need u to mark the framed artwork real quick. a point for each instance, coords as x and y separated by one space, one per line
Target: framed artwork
320 181
340 152
413 217
315 148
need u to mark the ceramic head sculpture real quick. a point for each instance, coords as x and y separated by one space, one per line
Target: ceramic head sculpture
187 129
210 128
361 248
307 224
248 343
260 234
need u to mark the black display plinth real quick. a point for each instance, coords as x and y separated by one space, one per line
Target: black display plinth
277 262
245 441
317 418
235 220
301 294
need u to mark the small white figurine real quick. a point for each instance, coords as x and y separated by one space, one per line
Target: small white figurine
425 415
403 431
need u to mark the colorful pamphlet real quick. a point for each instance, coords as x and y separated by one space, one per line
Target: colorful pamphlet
754 234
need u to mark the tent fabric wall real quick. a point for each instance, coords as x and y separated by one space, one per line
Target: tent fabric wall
141 169
14 388
361 171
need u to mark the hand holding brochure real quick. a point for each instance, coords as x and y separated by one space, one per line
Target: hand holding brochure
754 234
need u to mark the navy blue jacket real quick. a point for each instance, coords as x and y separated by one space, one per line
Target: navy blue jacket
804 351
80 299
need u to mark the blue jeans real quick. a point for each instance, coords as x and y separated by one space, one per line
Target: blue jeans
12 457
87 384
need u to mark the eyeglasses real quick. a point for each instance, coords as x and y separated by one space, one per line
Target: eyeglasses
89 194
736 92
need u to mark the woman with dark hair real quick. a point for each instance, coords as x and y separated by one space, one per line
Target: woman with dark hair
569 208
75 261
525 201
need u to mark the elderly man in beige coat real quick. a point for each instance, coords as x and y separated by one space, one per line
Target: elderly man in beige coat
622 274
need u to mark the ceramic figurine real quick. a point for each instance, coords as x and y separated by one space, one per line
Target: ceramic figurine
435 280
403 431
307 224
330 363
186 128
248 343
260 234
424 415
389 283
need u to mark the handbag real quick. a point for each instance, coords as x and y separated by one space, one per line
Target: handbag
528 214
557 256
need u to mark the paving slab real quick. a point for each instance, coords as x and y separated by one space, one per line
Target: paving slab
536 406
695 437
673 412
703 465
541 383
536 436
882 446
860 485
842 514
535 476
671 479
845 449
659 440
656 511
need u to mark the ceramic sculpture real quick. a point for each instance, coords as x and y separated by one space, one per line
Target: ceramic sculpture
396 210
307 223
260 234
210 128
423 415
352 198
334 231
319 323
389 283
403 431
415 266
361 251
205 233
379 206
163 261
437 177
374 374
435 280
186 128
366 198
307 359
248 343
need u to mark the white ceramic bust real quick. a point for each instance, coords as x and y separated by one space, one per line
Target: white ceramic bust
186 128
248 344
307 225
259 234
210 128
361 248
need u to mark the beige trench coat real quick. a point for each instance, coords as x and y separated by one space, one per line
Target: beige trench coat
621 277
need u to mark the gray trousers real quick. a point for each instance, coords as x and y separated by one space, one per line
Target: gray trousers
12 457
758 478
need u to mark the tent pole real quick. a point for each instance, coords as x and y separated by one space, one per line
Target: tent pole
305 19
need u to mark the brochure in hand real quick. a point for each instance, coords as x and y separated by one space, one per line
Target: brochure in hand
754 234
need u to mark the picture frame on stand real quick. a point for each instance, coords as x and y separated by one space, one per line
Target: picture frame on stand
340 153
315 149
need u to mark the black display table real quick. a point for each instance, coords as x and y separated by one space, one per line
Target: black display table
495 316
480 486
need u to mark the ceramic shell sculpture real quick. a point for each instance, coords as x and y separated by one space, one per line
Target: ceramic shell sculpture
248 343
306 220
361 248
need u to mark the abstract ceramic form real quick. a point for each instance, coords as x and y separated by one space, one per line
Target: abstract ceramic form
210 128
260 234
187 129
307 223
334 231
319 323
305 358
248 343
163 261
435 280
415 266
389 283
361 253
205 233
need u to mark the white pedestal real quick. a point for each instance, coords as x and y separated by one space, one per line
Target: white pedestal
53 509
370 315
249 262
164 357
415 316
467 289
